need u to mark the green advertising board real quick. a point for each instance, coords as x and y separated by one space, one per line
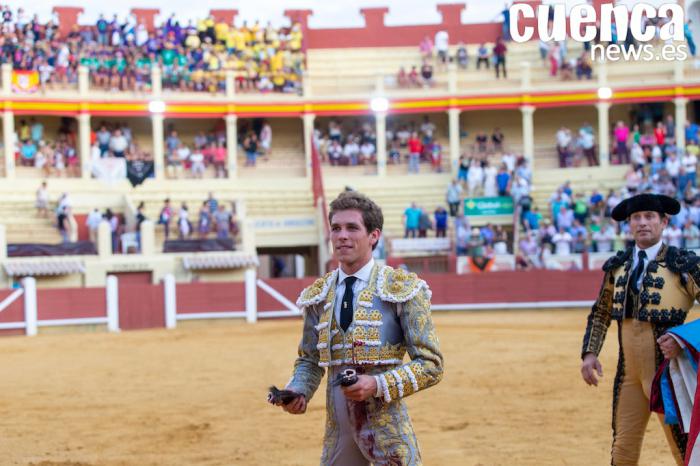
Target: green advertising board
488 206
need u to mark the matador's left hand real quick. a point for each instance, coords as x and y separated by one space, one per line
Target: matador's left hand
364 388
669 346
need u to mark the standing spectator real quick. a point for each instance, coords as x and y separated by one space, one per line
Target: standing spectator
621 135
497 138
440 222
204 221
563 143
266 139
499 53
506 22
411 220
463 168
442 45
37 131
92 222
103 137
503 181
414 150
586 140
475 179
462 232
454 197
250 145
689 163
688 33
183 222
166 214
604 238
223 222
62 224
113 228
42 201
490 186
424 223
426 48
562 241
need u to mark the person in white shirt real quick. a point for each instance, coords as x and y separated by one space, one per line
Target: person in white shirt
351 151
198 168
92 222
367 152
690 163
562 242
442 45
604 238
673 236
118 144
475 178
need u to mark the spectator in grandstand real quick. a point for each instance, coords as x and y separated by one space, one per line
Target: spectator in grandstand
411 220
351 152
463 171
586 140
92 222
454 197
441 217
584 66
462 56
475 178
197 165
688 34
499 54
42 200
689 164
497 138
413 77
621 136
183 223
222 217
435 153
426 48
442 46
113 220
266 140
166 214
426 74
503 181
367 153
335 153
500 240
424 223
604 238
481 141
691 235
462 233
476 244
28 152
415 147
562 241
490 184
250 145
673 235
564 140
402 78
483 56
204 221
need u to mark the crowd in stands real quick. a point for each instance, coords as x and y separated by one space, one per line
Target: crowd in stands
577 222
194 56
573 149
343 146
212 218
54 157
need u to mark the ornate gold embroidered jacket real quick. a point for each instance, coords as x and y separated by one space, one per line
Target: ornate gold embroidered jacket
391 318
669 289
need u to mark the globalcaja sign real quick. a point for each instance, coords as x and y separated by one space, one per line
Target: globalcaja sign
488 206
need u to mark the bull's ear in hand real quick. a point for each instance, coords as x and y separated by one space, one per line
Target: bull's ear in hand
278 397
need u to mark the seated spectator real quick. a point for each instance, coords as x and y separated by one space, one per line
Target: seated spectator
351 152
197 166
584 66
28 152
367 153
483 56
426 73
118 144
402 78
335 153
562 241
462 56
413 78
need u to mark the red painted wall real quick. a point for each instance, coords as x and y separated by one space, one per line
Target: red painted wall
15 311
210 297
289 287
70 303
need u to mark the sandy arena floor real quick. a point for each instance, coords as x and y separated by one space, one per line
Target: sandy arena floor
512 395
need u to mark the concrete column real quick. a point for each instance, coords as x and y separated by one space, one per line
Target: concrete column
84 145
602 69
158 145
681 116
8 140
380 121
232 145
678 71
148 238
528 112
170 301
308 134
156 81
6 79
526 79
454 130
30 312
112 288
251 295
604 133
230 84
104 240
305 86
83 80
452 78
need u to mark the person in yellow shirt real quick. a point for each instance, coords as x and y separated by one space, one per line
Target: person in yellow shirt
295 38
231 41
221 32
276 62
247 33
201 29
192 41
240 40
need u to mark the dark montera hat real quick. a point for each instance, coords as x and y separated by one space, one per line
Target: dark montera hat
641 202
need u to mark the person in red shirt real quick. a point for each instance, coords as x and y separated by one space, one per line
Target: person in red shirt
660 134
499 53
414 150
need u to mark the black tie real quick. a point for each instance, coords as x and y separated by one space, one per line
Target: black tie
346 305
637 272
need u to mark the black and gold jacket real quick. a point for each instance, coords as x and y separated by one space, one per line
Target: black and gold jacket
669 288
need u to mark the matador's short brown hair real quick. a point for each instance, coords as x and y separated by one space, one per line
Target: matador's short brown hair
372 215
